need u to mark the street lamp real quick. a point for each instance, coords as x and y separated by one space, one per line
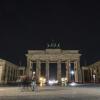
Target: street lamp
72 75
94 78
72 72
33 73
94 75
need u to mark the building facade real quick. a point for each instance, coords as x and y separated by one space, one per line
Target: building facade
57 56
91 73
21 71
8 72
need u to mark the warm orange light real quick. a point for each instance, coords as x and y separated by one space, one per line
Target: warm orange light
42 81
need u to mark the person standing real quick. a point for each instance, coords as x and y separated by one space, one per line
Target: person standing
33 83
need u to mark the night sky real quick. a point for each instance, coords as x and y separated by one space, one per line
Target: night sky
31 24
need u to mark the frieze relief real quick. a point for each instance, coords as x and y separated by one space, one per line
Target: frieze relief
53 57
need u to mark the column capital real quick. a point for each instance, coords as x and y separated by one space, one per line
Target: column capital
68 60
58 61
47 61
37 60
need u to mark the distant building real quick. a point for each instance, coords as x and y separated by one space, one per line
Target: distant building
21 71
8 72
91 73
54 56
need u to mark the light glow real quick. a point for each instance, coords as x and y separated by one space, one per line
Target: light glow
73 84
63 79
42 81
51 82
72 72
33 73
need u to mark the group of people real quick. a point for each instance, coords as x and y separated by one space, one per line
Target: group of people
26 81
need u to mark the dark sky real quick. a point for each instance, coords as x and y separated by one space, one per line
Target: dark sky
31 24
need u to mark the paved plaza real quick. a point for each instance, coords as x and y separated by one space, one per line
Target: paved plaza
51 93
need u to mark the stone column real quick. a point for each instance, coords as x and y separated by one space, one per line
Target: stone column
10 74
96 75
29 68
79 72
91 74
83 81
59 71
47 70
6 76
15 74
68 70
76 70
38 70
0 73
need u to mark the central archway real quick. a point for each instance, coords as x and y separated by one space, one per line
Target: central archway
53 71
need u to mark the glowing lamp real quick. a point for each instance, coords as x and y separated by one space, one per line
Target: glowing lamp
72 72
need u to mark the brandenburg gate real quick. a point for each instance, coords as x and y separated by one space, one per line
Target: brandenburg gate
55 55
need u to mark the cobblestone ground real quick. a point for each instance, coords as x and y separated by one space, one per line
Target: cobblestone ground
50 93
